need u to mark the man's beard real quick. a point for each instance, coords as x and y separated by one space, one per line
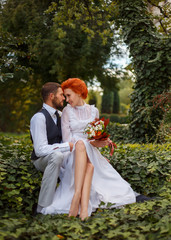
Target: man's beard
56 104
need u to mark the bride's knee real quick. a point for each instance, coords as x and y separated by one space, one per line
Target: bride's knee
90 167
80 146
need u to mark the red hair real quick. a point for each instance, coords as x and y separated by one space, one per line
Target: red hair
76 85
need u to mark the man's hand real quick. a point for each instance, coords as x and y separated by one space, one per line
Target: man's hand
71 146
98 143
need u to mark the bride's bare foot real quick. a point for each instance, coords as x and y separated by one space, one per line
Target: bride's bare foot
84 215
74 205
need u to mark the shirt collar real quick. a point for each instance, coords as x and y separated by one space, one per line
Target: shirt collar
50 109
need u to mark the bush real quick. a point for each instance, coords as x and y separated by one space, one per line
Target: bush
124 108
117 118
119 132
19 180
107 102
146 167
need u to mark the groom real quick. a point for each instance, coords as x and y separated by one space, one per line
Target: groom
48 149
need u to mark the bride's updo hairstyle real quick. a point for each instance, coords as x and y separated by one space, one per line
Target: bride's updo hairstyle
76 85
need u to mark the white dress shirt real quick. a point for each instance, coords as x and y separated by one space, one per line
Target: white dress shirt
39 134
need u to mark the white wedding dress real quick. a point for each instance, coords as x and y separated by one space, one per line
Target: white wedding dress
107 185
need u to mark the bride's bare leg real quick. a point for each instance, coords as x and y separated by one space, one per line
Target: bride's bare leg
85 196
80 170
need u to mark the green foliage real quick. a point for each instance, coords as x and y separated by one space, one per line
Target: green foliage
119 133
125 89
52 42
116 101
162 15
110 101
145 166
107 102
14 57
117 118
67 44
20 181
94 94
92 99
162 103
137 221
61 39
150 54
18 103
124 109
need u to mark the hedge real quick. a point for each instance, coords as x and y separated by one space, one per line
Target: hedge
116 117
146 167
19 180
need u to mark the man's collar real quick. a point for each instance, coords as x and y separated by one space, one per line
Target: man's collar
50 109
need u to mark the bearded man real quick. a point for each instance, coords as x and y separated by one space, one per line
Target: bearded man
45 129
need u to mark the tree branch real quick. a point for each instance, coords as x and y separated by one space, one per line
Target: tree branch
161 10
164 29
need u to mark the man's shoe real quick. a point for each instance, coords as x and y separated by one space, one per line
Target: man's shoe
34 210
141 198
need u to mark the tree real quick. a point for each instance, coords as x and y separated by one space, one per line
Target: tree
76 37
92 98
38 45
161 14
107 101
60 44
116 102
150 54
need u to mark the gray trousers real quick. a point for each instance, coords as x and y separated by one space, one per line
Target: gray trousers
50 165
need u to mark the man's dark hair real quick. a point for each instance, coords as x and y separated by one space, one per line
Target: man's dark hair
49 87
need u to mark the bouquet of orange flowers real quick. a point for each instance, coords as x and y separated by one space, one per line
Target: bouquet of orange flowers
97 130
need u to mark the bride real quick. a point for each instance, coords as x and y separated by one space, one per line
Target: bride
87 178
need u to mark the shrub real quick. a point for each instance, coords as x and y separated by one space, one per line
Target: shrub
145 167
19 180
107 102
92 98
116 101
117 118
119 132
124 108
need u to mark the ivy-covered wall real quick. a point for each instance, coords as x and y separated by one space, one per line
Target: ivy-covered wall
151 60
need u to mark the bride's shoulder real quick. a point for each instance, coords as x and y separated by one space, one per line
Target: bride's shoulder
93 108
66 108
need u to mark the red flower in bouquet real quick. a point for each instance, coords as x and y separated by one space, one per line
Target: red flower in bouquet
97 130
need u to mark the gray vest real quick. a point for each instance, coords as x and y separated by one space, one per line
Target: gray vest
54 134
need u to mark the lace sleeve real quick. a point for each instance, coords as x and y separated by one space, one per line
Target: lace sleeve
66 131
